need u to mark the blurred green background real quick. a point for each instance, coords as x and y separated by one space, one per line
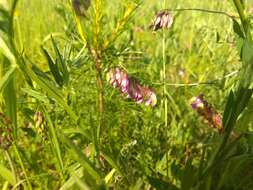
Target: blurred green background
201 57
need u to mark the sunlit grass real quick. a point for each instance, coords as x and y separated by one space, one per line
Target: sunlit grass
73 130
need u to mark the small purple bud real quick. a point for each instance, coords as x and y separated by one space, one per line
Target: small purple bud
196 102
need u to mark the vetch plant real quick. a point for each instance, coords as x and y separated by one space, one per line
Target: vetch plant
131 87
92 137
162 20
204 109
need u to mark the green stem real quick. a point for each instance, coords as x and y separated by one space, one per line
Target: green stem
22 166
165 92
219 153
202 10
100 106
11 165
240 11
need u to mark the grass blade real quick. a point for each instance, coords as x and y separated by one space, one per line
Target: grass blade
51 90
83 160
6 52
7 175
7 77
55 143
53 68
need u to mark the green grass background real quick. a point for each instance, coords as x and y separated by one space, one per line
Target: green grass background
200 46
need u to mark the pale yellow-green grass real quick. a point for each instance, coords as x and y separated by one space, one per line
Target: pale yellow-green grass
34 21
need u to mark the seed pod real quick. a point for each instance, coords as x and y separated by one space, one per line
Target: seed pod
204 109
162 19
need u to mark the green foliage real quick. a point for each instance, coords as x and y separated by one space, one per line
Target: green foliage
87 135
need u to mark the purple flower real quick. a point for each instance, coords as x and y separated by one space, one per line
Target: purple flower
162 19
204 109
197 102
130 87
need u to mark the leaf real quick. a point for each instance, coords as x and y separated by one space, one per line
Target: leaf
6 52
217 37
40 73
228 108
54 139
7 175
242 99
4 13
247 53
62 65
36 94
161 184
51 90
189 176
109 176
83 160
10 97
4 20
53 68
4 26
237 29
81 183
7 77
112 162
71 181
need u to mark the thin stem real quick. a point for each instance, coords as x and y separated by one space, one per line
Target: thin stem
165 92
22 165
202 10
11 165
100 96
96 52
240 11
211 82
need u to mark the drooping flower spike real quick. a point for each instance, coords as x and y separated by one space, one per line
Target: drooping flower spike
130 87
162 20
204 109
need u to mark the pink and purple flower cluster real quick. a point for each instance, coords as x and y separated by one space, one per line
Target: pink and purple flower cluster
204 109
162 20
131 87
